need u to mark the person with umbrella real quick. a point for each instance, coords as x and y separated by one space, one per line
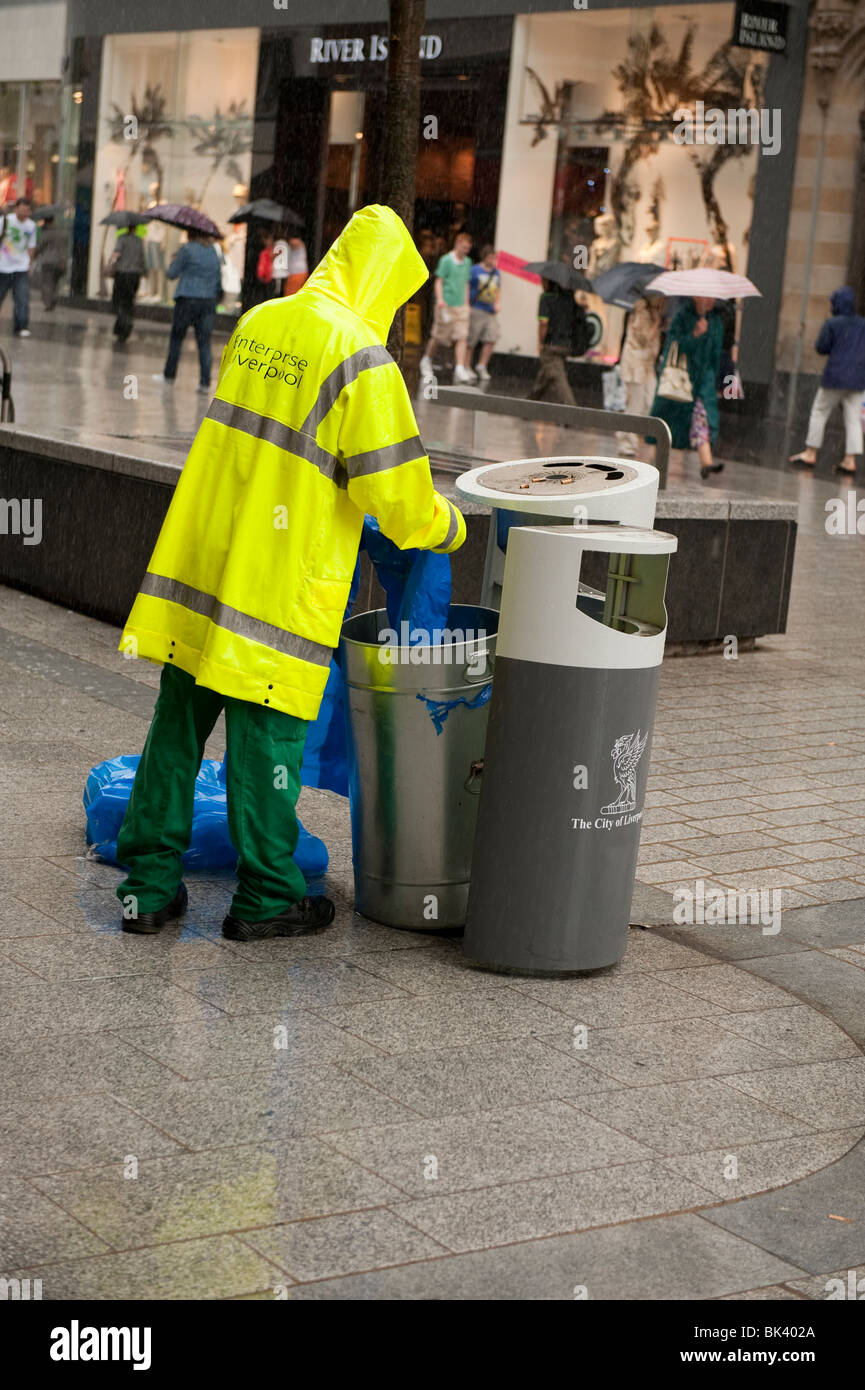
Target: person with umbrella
562 330
637 362
687 393
196 269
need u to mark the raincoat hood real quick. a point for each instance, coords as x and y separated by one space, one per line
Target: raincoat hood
843 301
373 267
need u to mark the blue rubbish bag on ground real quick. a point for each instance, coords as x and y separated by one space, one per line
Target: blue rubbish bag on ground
417 586
106 795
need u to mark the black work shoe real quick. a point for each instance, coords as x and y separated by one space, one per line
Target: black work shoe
148 923
310 914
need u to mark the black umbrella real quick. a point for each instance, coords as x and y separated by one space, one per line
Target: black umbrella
560 274
625 283
268 211
121 218
49 210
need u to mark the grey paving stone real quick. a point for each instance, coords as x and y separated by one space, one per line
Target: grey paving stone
682 1116
263 1106
91 1005
488 1076
330 1245
58 1067
826 925
650 905
553 1206
648 951
730 987
770 1163
19 920
406 1025
673 1257
232 1189
852 1283
250 989
603 1001
738 941
774 1293
487 1148
73 1132
435 970
796 1223
120 953
648 1054
797 1033
833 986
186 1269
221 1045
826 1094
34 1230
351 936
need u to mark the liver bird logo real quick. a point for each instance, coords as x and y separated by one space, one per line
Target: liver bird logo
626 753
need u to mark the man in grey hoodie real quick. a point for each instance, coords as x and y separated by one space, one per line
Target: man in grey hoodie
842 340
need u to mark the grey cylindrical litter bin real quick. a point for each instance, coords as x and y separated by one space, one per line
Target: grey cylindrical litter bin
581 640
417 722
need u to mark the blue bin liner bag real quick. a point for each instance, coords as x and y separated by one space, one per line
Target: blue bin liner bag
107 793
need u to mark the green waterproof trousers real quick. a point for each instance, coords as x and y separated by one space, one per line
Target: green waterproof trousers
265 751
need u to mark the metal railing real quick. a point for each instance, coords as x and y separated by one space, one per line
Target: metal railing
7 405
571 416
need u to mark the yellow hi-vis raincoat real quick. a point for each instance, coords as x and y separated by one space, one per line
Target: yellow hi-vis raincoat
311 426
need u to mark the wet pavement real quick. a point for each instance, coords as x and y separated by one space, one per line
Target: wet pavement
361 1115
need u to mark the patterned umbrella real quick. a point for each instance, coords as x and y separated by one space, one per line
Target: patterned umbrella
705 284
180 215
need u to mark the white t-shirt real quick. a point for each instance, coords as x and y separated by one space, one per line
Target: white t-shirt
16 240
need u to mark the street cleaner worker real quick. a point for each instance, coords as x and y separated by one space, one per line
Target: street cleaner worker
245 592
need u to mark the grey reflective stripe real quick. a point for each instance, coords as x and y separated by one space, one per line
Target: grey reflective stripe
241 624
237 417
452 529
348 370
379 460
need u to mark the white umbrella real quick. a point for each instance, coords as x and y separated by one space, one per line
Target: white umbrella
704 283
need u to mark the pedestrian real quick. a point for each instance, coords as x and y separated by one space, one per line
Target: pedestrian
637 363
562 333
842 340
686 395
196 269
485 292
451 312
17 251
51 260
127 264
298 266
245 593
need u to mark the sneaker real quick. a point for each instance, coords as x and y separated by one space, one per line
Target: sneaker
23 333
203 390
464 376
310 914
161 377
483 374
149 923
426 369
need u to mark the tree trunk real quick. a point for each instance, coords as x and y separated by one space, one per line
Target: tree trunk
402 124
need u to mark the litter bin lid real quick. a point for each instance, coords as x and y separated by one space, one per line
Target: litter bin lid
629 540
552 485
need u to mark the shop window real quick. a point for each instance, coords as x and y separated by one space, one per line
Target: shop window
175 125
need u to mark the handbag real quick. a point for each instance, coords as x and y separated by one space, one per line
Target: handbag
675 382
